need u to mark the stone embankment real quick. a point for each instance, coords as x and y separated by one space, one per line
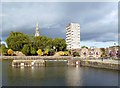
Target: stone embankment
97 63
35 57
107 64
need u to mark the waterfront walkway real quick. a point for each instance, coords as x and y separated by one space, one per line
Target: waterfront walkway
36 57
104 61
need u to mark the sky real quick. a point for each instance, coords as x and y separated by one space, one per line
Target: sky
98 20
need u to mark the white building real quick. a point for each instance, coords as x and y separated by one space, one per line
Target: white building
37 31
73 36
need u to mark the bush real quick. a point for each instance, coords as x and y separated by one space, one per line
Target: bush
75 54
39 52
46 52
10 52
63 53
66 53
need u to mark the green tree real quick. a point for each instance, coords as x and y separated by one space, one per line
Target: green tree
42 41
26 49
59 44
39 52
32 51
3 49
16 40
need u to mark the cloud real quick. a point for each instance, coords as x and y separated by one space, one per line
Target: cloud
98 44
98 21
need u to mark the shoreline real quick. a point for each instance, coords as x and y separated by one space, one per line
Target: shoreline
101 65
98 63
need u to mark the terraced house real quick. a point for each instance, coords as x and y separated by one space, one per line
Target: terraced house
113 51
90 52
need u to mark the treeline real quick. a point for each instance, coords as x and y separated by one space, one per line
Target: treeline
31 45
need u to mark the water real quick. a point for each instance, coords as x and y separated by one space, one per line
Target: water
57 75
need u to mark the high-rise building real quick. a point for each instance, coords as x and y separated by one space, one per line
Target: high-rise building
73 36
37 31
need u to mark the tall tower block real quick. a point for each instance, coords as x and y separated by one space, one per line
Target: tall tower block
73 36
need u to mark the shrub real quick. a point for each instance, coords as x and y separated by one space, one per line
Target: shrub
75 54
46 52
39 52
10 52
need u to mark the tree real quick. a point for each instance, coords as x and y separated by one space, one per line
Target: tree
39 52
16 40
3 49
42 41
59 44
32 51
10 52
26 50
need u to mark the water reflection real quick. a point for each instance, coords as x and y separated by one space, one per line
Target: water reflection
22 71
77 66
73 79
32 71
53 75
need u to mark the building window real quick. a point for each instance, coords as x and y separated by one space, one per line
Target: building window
96 53
84 53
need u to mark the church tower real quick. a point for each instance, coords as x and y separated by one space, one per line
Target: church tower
37 31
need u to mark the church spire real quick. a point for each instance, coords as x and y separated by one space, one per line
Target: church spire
37 31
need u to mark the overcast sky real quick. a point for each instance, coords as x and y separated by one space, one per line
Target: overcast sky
98 20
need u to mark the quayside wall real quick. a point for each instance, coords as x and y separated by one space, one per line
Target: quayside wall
96 64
